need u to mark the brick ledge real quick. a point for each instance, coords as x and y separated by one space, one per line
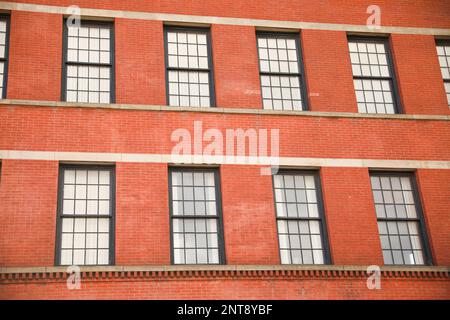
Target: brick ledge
26 274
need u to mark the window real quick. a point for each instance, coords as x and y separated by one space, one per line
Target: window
197 236
443 51
301 228
4 49
282 85
189 67
85 216
88 63
399 216
373 75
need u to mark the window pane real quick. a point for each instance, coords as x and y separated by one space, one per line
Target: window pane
399 237
300 241
373 79
189 88
281 92
443 51
3 55
89 45
89 84
188 50
278 54
2 36
195 238
87 233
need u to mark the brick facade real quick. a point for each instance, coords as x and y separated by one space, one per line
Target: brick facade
32 120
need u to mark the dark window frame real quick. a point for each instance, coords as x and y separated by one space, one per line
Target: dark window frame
111 216
112 64
443 42
218 217
426 251
327 256
301 70
5 60
202 30
398 108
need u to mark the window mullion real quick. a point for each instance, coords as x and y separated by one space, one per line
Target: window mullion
198 234
188 67
397 233
77 207
89 63
278 91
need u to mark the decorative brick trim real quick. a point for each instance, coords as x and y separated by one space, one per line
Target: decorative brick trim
115 273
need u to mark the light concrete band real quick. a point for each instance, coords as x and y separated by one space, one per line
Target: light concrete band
229 110
193 19
219 160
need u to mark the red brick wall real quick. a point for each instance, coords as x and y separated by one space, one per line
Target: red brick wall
140 70
28 191
142 214
233 289
35 72
236 69
248 216
133 131
417 70
328 71
35 56
434 188
29 196
430 14
350 216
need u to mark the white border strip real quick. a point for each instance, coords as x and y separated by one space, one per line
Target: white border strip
218 160
228 110
222 20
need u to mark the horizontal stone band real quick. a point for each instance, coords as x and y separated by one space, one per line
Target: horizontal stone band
193 19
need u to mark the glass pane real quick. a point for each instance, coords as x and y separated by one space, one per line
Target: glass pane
299 240
195 240
369 59
85 236
399 237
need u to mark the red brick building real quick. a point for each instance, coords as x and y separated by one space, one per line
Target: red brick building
87 121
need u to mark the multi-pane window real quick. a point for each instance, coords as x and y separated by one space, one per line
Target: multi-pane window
301 234
399 218
189 67
195 216
4 32
282 85
85 215
88 63
372 75
443 51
